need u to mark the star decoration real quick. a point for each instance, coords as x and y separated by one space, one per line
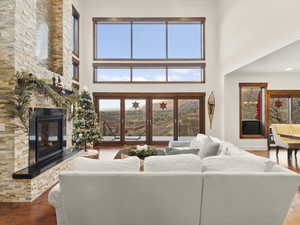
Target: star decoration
135 105
278 103
163 105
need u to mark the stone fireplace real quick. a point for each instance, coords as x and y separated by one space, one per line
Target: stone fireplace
29 163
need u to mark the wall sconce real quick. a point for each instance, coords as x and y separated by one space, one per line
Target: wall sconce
211 104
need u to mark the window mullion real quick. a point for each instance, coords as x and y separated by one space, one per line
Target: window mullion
167 74
131 40
167 54
290 110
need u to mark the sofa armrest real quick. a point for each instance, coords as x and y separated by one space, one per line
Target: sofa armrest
174 144
54 196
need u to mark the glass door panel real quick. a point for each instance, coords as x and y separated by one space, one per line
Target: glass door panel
135 120
110 119
279 110
188 118
162 119
296 110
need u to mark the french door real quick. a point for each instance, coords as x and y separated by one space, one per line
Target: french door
149 118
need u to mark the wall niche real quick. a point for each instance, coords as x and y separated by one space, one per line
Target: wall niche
49 39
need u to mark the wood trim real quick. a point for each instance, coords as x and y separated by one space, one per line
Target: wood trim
149 19
203 48
148 65
265 130
149 97
202 115
262 85
148 94
151 60
149 82
76 14
94 40
283 93
165 20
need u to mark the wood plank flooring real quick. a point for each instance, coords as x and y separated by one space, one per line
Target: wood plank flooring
40 212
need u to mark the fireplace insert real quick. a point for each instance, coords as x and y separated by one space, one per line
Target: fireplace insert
46 135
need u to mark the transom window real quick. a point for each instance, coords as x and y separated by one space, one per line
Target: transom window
149 38
149 73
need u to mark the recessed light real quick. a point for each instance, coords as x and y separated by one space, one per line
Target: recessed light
289 69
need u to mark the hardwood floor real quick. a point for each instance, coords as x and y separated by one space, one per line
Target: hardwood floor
40 212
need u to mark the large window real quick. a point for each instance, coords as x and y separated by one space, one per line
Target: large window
149 38
149 73
152 118
284 107
252 110
75 19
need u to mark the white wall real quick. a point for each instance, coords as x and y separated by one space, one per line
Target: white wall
276 81
77 4
251 29
155 8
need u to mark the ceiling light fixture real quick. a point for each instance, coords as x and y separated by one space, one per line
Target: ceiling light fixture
289 69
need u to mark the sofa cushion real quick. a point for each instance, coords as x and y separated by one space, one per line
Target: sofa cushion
237 164
126 165
178 151
179 148
182 162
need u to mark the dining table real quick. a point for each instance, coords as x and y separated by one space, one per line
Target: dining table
290 136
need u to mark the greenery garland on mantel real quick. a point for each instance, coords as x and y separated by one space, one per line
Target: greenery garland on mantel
26 84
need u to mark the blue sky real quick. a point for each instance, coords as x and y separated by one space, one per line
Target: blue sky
114 104
141 74
149 40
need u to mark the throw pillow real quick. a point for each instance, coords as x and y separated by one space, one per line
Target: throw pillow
130 164
182 162
237 164
200 137
209 148
195 143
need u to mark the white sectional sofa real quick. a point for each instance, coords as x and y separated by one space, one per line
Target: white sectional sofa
252 193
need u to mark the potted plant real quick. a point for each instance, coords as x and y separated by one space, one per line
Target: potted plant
142 151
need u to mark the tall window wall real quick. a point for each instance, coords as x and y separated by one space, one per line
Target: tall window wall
132 45
75 64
